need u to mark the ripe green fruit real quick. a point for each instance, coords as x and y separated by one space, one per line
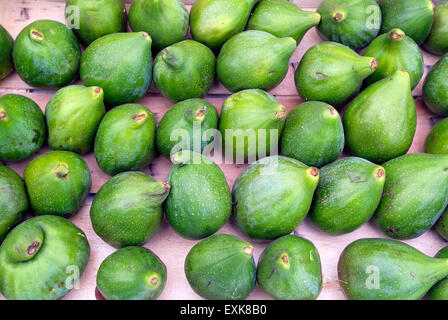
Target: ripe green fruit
251 124
380 123
22 127
6 46
440 290
125 140
199 203
42 259
395 51
46 54
290 269
437 41
184 70
221 267
95 18
58 183
384 269
132 273
272 196
415 194
347 195
331 72
282 19
414 17
254 59
73 115
166 21
125 75
127 210
354 23
313 134
13 200
213 22
188 125
435 88
437 140
442 224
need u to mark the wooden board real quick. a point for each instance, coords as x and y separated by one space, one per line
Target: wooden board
172 249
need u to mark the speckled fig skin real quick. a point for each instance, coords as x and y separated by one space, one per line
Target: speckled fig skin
22 127
272 196
294 21
125 140
73 115
221 267
97 18
404 273
120 64
132 273
414 17
42 259
442 224
213 22
186 115
331 72
166 21
254 59
290 269
440 289
354 23
437 41
437 140
435 88
46 54
415 195
127 210
58 183
313 134
184 70
347 195
13 200
380 122
6 46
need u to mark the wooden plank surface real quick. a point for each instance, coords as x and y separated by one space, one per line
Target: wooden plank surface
172 249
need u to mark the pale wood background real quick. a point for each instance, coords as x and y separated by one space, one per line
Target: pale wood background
170 247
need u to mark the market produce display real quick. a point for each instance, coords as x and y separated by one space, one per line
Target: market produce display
264 186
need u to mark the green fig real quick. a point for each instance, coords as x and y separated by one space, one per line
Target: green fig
435 88
437 140
6 46
186 126
442 224
13 200
127 210
380 123
166 21
132 273
92 19
73 115
414 17
313 134
213 22
290 269
254 59
354 23
46 54
440 290
415 194
282 19
199 203
125 75
58 183
221 267
333 73
437 41
384 269
395 51
42 259
272 196
251 124
184 70
22 127
347 195
125 140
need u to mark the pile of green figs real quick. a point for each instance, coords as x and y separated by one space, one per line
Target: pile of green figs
340 158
